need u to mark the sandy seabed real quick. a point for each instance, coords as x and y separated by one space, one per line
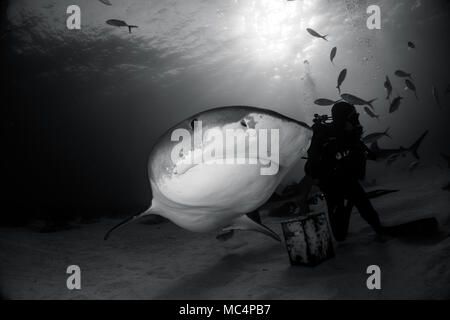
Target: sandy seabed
163 261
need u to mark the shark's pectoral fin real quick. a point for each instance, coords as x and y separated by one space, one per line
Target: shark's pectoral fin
128 220
245 223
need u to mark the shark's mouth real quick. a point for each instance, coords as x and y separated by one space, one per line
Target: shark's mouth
182 168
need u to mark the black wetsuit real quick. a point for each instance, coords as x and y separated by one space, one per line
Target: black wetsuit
337 158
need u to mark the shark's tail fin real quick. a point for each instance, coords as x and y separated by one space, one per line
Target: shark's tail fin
415 146
325 37
129 28
127 221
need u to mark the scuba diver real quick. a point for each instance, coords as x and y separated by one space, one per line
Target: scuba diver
337 159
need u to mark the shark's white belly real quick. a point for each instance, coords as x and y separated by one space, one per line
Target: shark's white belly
208 196
236 187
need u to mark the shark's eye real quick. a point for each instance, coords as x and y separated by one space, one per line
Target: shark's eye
243 123
192 123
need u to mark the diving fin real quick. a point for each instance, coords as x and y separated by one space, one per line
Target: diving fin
420 227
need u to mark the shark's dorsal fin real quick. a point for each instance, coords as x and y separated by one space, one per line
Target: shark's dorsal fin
415 146
245 223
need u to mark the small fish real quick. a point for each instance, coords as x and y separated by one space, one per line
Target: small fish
447 91
411 45
316 34
403 74
106 2
120 23
324 102
388 87
413 165
371 114
395 104
357 101
412 87
435 95
341 79
372 137
333 54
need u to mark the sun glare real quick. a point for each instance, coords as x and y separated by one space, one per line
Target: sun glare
269 25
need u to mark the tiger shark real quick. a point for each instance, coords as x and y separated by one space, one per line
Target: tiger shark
216 194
